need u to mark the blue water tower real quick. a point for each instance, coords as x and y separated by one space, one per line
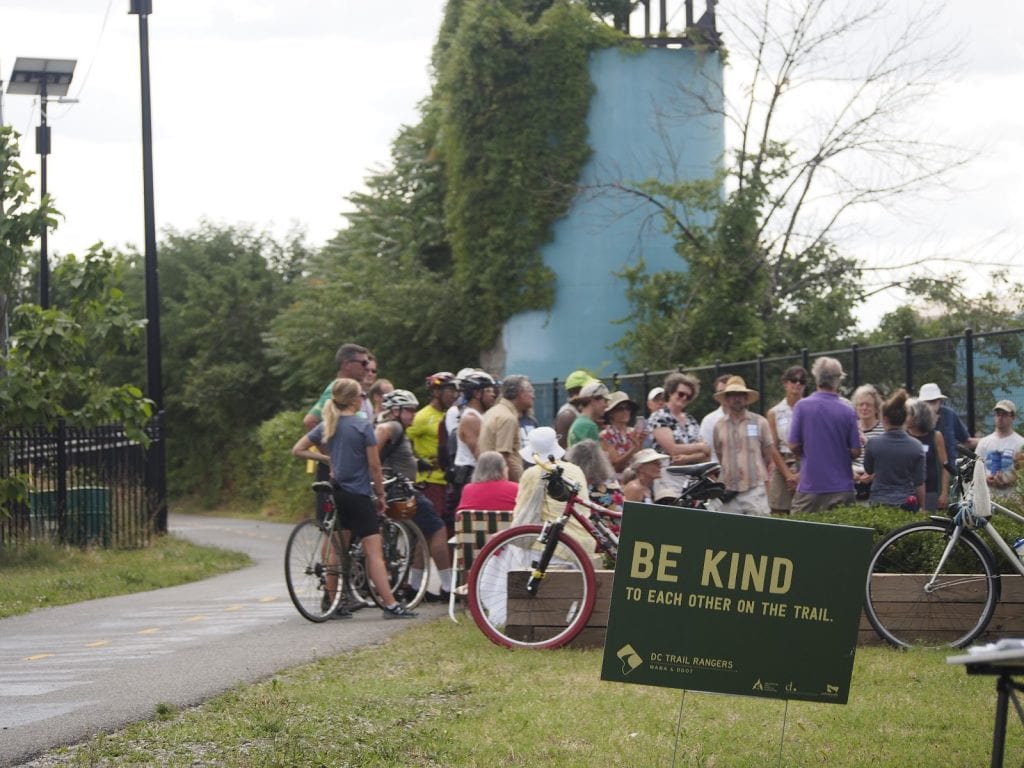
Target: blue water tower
655 114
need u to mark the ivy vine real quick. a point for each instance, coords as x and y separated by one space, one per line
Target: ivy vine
511 99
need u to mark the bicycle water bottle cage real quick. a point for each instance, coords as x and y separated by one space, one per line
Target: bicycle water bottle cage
694 470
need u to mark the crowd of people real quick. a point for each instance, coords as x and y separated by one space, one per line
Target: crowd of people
474 444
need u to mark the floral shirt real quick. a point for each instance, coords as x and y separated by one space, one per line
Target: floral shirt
619 441
685 432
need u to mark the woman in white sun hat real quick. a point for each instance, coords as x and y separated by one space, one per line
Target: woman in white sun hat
645 469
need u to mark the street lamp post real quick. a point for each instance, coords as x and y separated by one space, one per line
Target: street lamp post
48 79
154 374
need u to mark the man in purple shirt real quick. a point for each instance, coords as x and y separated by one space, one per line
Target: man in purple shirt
824 436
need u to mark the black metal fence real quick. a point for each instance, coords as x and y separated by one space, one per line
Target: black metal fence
972 370
85 486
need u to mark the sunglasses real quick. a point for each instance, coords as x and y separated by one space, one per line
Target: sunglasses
797 381
683 395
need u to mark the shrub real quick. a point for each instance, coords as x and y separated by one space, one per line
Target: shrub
280 482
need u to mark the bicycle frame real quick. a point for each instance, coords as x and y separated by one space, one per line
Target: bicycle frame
984 525
593 524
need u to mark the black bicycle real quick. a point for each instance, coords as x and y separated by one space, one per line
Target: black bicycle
320 569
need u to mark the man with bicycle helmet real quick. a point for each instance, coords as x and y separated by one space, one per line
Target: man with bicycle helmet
430 439
397 458
479 391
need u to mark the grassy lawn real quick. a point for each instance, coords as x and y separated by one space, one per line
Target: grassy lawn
441 695
39 575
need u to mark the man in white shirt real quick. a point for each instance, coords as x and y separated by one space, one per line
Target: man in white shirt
1001 451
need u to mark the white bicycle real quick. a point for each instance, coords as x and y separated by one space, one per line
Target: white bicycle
935 582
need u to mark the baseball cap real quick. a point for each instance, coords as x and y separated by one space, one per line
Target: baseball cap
577 379
1006 405
656 392
594 389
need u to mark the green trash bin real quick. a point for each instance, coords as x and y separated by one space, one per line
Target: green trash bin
42 515
88 514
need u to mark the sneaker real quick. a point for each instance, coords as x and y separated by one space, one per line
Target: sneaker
398 611
341 612
443 597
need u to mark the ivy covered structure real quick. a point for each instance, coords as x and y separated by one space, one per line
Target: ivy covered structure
548 120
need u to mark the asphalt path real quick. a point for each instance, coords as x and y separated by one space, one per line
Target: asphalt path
71 672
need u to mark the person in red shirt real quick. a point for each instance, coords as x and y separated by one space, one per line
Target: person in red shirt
489 488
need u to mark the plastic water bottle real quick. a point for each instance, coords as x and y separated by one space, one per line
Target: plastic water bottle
1018 547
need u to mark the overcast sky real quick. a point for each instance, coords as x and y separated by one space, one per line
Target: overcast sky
272 111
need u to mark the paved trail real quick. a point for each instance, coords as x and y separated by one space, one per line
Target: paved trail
68 673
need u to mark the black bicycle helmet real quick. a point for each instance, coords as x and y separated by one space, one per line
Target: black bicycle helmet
400 398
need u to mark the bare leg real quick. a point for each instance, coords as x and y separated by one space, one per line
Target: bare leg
375 568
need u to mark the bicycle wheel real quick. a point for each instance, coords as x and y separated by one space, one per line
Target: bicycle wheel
416 555
358 580
312 570
507 613
400 542
911 602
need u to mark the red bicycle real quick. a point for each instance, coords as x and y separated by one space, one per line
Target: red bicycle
534 586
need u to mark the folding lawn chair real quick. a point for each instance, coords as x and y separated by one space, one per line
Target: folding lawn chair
473 527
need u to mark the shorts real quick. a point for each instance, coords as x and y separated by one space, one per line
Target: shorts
426 518
438 495
357 512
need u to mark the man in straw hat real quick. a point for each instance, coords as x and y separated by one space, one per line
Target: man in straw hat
743 444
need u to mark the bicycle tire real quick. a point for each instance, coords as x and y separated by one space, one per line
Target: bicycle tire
954 611
419 551
312 561
399 541
555 614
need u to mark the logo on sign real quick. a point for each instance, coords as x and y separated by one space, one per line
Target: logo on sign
629 657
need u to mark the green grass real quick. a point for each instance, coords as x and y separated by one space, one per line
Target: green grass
41 575
442 695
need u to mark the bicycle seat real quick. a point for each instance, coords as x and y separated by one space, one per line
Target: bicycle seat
694 470
322 486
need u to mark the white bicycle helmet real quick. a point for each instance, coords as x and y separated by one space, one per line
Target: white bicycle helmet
400 398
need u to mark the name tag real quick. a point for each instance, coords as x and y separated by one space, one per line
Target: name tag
751 430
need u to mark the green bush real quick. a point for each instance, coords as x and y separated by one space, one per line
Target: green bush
280 482
880 519
885 519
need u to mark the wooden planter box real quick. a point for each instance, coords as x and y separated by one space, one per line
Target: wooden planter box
1008 620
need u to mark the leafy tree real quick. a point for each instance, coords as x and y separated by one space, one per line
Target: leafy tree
220 288
769 273
54 369
20 223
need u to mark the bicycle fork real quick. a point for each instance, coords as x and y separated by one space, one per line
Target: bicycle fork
549 537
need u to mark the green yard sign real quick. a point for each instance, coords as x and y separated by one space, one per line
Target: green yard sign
755 606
